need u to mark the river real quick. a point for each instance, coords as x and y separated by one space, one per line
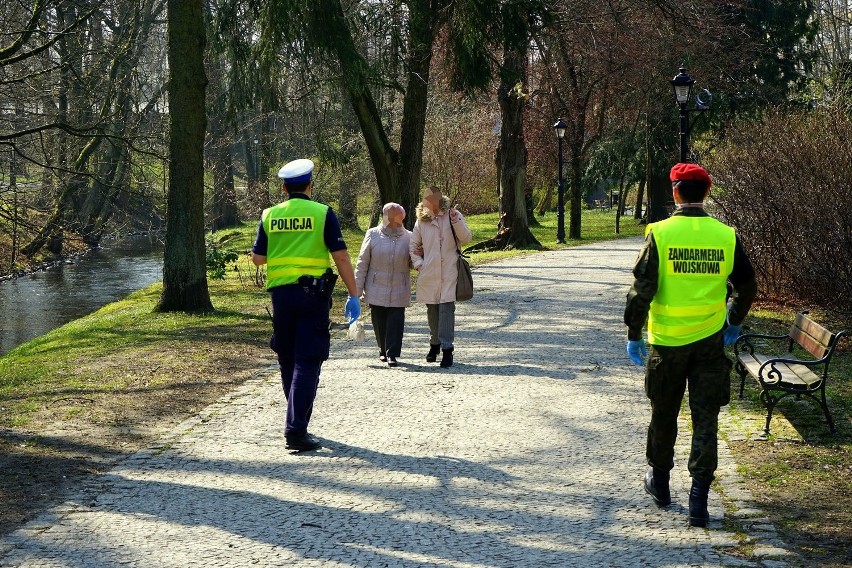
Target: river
37 303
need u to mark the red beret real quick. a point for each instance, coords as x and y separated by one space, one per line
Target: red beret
689 172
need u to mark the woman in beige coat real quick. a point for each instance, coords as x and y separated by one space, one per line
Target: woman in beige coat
433 252
383 277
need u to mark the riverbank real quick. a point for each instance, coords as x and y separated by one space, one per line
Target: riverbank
25 266
78 399
44 300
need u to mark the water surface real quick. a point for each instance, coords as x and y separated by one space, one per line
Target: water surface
35 304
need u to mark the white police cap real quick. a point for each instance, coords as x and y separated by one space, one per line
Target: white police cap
297 171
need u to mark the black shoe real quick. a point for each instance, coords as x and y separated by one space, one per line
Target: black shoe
657 486
432 356
698 514
392 362
383 359
447 359
301 442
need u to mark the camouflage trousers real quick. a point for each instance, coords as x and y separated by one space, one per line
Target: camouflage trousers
703 368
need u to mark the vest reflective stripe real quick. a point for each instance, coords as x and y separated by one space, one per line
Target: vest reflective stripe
681 311
677 330
295 241
696 257
300 261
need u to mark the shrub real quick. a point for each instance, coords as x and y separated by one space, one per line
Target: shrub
217 260
784 182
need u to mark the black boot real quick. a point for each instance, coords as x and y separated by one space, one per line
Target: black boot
302 442
432 356
698 514
657 486
447 359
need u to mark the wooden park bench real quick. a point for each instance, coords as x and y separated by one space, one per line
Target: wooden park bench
780 375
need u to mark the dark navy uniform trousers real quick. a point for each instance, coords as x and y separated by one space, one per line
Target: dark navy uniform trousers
301 338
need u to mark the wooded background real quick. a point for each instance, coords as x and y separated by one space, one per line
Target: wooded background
391 96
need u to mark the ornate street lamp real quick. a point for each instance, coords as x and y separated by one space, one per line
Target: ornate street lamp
682 84
560 128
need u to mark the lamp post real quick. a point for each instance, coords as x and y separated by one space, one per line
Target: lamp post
682 85
560 128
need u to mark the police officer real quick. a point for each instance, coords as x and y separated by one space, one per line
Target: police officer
680 287
294 239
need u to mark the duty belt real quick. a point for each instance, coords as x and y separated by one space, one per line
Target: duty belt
321 286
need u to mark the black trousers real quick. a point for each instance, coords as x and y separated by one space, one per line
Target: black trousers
703 368
388 324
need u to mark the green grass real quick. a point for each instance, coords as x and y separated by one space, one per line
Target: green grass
804 417
596 225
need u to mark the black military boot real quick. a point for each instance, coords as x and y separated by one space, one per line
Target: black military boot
657 486
432 356
447 359
698 514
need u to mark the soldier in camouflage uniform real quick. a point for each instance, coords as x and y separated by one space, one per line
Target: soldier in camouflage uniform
680 287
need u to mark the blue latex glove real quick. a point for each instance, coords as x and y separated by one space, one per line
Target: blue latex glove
637 351
353 309
732 333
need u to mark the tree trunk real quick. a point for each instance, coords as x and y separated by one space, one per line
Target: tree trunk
576 201
530 206
13 187
356 81
97 209
184 259
397 172
413 127
51 233
224 212
578 140
513 230
659 195
658 153
638 212
658 185
347 204
546 202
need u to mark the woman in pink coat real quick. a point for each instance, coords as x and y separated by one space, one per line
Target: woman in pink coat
383 277
433 253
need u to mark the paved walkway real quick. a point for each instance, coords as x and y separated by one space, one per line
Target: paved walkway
528 452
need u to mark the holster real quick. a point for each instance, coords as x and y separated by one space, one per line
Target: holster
321 286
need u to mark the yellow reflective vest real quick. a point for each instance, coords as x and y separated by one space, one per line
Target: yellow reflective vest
295 241
696 257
